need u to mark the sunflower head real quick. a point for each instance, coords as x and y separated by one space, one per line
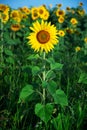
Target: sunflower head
59 5
85 39
16 15
4 17
46 15
4 8
26 10
80 4
68 8
69 30
24 16
78 48
43 37
61 33
15 27
41 11
73 21
34 13
60 12
81 12
61 19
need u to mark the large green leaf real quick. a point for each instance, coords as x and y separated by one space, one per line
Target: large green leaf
83 78
60 98
44 111
56 66
33 57
35 70
25 93
10 60
52 86
51 75
8 52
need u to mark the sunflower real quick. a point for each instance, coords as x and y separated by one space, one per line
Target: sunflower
69 30
46 15
59 5
24 16
61 19
80 4
61 33
60 12
81 12
72 11
15 27
41 11
26 10
16 15
68 8
85 39
4 17
4 8
34 13
77 48
43 37
74 21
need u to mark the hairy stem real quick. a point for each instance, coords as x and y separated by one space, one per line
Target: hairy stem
1 47
44 78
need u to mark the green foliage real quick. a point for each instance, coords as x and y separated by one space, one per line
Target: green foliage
40 92
56 66
83 78
35 70
60 98
25 93
44 111
52 86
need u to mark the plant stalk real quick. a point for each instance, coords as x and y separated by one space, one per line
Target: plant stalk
44 78
1 40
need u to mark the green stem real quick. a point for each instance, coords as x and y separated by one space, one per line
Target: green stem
14 36
44 78
68 85
1 40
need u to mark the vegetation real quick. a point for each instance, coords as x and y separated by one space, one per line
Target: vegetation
43 68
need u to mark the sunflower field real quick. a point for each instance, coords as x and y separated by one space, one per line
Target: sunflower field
43 68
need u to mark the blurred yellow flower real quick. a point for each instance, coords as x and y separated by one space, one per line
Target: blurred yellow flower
60 12
16 15
61 33
46 15
73 11
43 37
61 19
59 5
34 13
4 17
85 39
4 8
24 16
81 12
26 10
42 11
68 8
69 30
15 27
77 48
80 4
73 21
